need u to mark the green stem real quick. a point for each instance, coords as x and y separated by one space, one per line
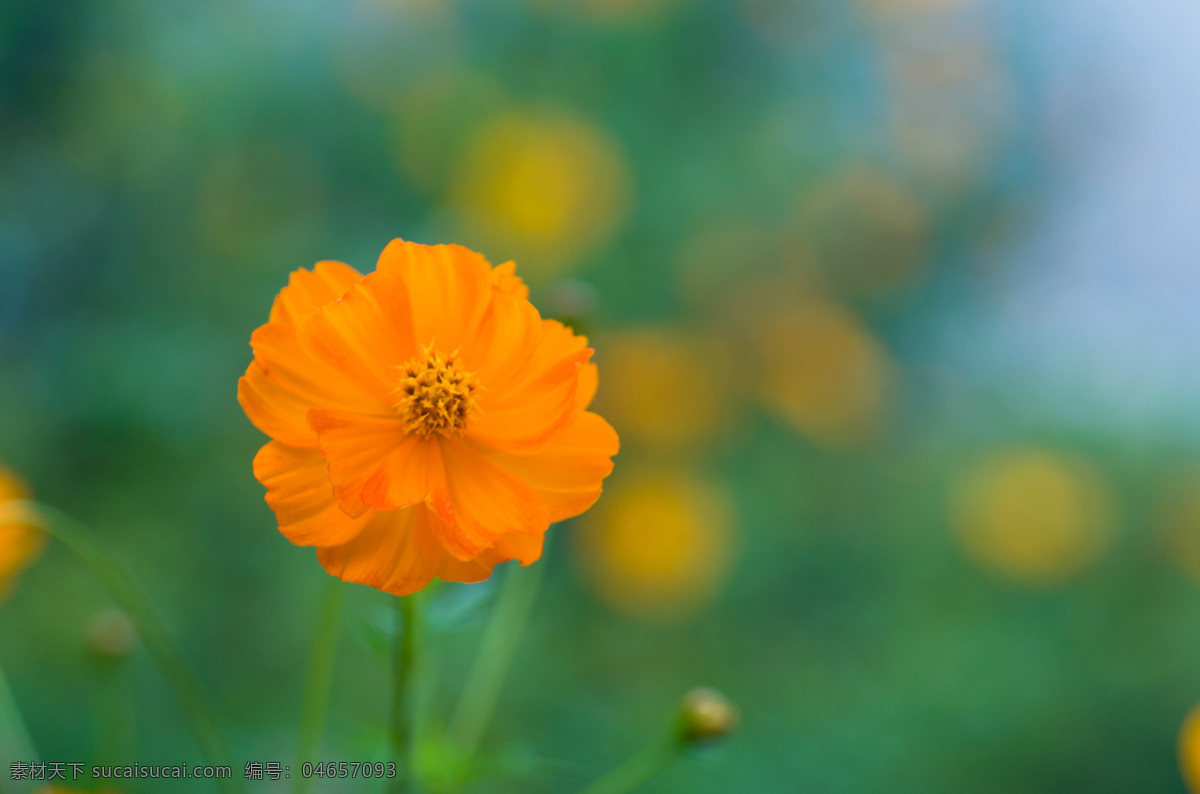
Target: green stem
317 682
638 769
129 596
404 658
115 727
15 744
496 652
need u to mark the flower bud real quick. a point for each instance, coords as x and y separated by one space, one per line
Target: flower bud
110 635
705 714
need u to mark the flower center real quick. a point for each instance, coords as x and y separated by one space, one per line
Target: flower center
435 395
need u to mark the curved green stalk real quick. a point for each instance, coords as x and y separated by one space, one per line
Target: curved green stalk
15 744
405 644
638 769
129 596
496 652
317 682
113 716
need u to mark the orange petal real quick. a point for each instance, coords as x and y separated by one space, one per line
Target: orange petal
452 569
526 548
395 552
365 336
285 379
20 544
449 287
589 381
487 502
508 338
374 462
20 539
522 418
568 474
301 496
277 411
308 291
560 341
506 280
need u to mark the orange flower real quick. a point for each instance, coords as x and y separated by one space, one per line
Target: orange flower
20 540
426 420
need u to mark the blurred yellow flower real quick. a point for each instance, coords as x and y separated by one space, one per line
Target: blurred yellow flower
658 545
868 232
544 189
20 540
824 372
1178 516
666 387
1188 748
1032 515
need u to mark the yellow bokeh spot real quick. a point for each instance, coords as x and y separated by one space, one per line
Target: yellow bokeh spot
868 232
1179 519
1032 515
20 541
667 387
824 372
658 545
544 190
1189 750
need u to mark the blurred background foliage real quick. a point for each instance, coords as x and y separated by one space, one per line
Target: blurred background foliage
808 240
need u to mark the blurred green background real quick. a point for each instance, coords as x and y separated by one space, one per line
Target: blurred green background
891 307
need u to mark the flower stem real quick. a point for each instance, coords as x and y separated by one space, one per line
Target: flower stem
638 769
113 716
496 651
317 682
130 597
15 744
406 639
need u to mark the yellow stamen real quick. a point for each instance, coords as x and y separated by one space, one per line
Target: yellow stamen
435 395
